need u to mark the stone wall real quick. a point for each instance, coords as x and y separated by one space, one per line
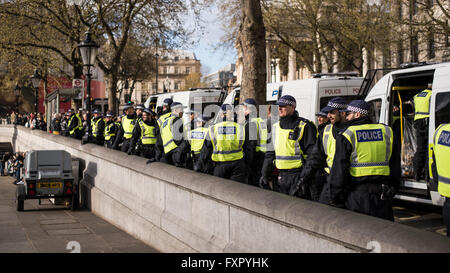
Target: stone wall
178 210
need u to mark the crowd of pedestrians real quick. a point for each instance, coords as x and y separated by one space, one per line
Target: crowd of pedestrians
11 164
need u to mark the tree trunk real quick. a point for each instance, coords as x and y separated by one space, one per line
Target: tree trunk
253 43
112 91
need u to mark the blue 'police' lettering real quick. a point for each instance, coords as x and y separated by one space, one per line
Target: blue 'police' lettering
369 135
197 135
227 130
422 94
444 138
165 123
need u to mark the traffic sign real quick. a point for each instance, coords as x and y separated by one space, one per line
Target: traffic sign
78 83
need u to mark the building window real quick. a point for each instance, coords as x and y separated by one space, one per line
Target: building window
447 35
400 56
165 70
176 70
414 7
414 49
177 58
188 70
176 85
144 97
187 58
431 46
154 87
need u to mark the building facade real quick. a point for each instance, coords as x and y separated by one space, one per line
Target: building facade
222 77
173 68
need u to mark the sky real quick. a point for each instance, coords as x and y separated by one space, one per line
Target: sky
210 59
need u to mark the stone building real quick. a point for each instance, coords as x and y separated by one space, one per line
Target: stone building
173 68
222 77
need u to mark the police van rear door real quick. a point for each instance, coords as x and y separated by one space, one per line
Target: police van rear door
439 114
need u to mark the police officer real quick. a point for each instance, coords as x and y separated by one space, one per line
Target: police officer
441 171
421 119
139 110
166 111
322 120
293 139
362 176
75 125
55 124
225 144
146 133
191 125
196 140
98 127
315 172
171 147
126 129
188 127
111 129
256 129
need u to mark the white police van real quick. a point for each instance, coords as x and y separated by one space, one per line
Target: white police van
313 94
195 99
396 90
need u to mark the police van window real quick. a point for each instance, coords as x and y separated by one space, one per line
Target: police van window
442 114
375 110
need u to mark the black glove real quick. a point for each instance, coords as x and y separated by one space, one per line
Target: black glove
130 151
300 187
150 160
263 182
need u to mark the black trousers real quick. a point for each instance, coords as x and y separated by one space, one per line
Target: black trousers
125 145
254 169
446 214
148 151
109 143
420 156
176 157
286 180
365 198
316 187
234 170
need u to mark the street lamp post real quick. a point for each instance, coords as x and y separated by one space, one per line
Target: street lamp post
88 49
17 94
36 80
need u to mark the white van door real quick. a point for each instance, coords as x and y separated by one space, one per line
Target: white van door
439 114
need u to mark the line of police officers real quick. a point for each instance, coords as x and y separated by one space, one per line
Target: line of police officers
350 162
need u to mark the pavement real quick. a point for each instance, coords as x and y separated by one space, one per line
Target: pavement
49 228
420 216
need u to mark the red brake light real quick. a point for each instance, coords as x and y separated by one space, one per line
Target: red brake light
68 187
